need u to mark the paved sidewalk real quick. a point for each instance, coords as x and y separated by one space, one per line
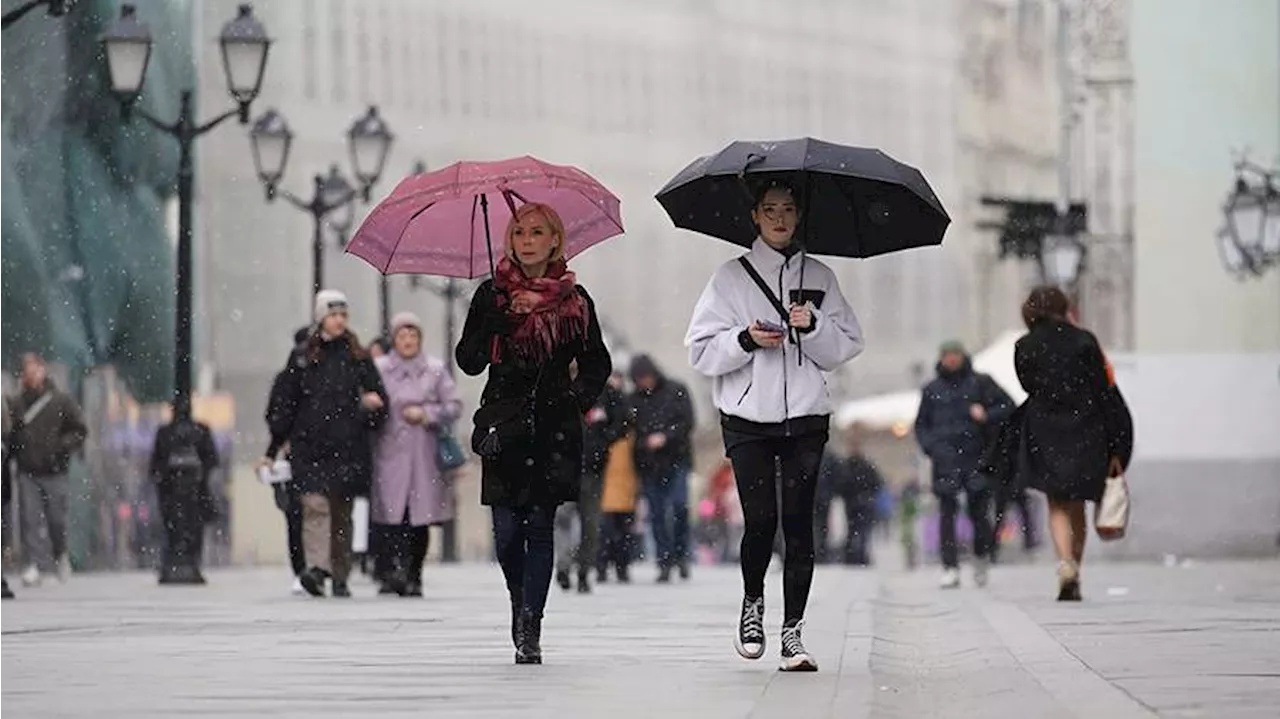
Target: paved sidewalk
1182 642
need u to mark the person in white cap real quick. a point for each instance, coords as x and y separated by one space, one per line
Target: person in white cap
331 400
410 489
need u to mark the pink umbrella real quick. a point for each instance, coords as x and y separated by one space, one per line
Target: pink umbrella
438 223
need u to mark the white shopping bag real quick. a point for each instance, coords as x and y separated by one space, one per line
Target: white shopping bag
1111 518
278 473
360 525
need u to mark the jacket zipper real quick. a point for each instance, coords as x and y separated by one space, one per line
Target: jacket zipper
745 391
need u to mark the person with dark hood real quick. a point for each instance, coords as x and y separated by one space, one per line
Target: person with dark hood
1075 430
527 326
663 416
769 383
960 410
50 430
287 498
331 402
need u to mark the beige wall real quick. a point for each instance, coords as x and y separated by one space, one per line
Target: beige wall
1207 77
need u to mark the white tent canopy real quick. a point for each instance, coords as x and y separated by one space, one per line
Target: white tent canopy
898 409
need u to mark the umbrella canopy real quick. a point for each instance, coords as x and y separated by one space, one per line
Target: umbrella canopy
858 202
441 223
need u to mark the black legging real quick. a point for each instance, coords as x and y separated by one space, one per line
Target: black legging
756 468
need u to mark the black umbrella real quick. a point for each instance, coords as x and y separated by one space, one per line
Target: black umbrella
858 202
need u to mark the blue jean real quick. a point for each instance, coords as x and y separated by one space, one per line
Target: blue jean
524 540
668 500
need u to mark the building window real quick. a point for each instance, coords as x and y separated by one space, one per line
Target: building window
391 36
309 51
363 76
338 39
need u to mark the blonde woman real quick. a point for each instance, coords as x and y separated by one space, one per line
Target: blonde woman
526 326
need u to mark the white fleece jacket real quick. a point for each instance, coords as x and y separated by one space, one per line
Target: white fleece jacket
770 385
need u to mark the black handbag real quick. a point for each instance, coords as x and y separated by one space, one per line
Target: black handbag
504 423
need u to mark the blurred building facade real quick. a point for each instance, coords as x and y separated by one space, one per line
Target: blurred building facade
631 92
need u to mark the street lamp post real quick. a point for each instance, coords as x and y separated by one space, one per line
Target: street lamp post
332 198
184 449
57 8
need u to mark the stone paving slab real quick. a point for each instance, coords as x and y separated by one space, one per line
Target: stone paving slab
1198 642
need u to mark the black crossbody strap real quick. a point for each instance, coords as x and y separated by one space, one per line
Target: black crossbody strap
764 287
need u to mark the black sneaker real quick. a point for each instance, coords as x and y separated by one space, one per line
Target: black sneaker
530 649
684 571
562 578
624 574
5 591
584 585
664 575
602 575
313 581
413 589
341 590
794 656
749 639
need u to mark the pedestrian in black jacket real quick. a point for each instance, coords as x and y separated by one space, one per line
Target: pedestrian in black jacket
605 424
663 418
1073 434
51 429
330 401
288 499
960 412
526 326
857 482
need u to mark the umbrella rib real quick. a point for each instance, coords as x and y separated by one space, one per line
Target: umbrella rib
400 238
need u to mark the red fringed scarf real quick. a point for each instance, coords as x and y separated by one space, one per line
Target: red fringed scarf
559 314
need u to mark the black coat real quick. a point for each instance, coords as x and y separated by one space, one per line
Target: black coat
547 471
665 410
1066 444
600 436
44 445
315 407
854 479
948 433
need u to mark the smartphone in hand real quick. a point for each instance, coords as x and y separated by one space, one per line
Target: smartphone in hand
774 327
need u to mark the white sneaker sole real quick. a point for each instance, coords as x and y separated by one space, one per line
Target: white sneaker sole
798 663
747 652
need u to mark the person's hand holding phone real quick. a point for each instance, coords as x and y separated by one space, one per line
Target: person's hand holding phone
767 334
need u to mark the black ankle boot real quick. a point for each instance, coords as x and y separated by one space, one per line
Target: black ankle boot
530 649
516 625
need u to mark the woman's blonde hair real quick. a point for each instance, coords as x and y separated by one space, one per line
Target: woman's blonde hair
553 220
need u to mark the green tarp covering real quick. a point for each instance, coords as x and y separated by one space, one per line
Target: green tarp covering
87 267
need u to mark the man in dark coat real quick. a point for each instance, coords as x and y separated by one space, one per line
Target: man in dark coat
183 456
959 413
663 417
857 482
50 430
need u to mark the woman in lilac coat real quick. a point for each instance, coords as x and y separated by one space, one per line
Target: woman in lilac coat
410 492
